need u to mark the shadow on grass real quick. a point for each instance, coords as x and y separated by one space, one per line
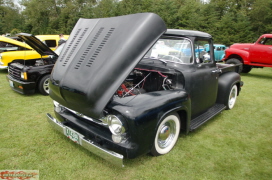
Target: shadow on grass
3 71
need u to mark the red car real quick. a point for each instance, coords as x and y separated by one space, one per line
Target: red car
251 55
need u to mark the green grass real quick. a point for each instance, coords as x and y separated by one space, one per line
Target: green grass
236 144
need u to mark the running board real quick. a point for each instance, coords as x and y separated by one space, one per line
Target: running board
210 113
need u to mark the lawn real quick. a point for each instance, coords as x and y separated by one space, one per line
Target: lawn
236 144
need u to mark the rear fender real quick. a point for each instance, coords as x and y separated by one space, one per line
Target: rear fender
225 82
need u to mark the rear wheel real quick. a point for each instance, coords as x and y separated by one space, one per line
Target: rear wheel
167 135
43 85
232 97
246 69
235 61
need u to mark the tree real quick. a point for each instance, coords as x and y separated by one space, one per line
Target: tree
261 17
9 16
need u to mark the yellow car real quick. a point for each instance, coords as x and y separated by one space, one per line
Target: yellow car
12 49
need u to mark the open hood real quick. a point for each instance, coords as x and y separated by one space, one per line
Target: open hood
36 44
97 58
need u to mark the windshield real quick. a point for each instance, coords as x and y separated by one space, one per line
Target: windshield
176 50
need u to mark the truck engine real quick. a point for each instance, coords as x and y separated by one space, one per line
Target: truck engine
141 81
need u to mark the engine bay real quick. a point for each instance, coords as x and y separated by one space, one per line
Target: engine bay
142 81
35 62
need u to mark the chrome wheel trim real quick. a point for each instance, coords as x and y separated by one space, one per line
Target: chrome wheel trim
232 96
46 85
167 134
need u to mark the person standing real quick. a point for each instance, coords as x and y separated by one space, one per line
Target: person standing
62 39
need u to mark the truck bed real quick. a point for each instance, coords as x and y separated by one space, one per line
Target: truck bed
228 67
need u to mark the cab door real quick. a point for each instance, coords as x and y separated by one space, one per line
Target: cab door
261 52
204 79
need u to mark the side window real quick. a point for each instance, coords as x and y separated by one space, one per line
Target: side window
202 56
268 41
50 43
261 41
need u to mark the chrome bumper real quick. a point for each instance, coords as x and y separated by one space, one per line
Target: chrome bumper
112 157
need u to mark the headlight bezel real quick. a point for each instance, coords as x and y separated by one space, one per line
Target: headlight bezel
115 125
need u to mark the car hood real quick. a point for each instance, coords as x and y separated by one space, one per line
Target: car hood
97 58
36 44
243 46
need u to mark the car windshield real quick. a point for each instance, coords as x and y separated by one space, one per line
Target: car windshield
175 50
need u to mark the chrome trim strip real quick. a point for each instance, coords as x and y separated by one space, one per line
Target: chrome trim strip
112 157
86 117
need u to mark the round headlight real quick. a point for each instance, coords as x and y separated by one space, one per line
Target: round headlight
115 125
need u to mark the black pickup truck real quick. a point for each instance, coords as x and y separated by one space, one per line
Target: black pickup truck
121 90
28 76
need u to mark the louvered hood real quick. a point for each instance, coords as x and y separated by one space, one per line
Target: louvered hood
97 58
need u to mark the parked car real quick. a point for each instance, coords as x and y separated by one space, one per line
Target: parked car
219 51
25 52
112 98
27 76
251 55
8 44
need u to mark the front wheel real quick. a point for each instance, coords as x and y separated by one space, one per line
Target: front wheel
167 135
43 85
232 97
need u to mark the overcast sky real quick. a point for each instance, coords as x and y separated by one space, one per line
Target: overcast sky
16 1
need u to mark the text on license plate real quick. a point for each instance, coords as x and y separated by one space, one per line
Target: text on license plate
73 135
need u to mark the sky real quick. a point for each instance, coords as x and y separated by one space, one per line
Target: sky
16 1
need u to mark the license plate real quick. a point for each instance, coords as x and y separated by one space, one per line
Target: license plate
73 135
11 83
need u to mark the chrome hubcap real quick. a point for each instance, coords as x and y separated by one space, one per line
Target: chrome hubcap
166 134
232 97
46 86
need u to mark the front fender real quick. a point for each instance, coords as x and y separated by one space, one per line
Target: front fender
234 53
144 112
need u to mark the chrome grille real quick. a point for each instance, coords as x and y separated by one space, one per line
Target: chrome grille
14 72
100 121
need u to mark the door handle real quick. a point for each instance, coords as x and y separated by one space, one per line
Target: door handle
218 71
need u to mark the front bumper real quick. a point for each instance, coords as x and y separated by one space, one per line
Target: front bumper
114 158
21 86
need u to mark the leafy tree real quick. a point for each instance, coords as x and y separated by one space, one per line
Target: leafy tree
9 16
234 27
228 21
261 17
